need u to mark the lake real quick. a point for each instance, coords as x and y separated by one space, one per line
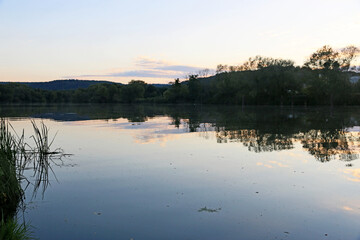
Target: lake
196 172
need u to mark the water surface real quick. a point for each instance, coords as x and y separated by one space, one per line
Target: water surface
197 172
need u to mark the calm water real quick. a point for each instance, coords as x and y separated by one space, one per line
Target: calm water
192 172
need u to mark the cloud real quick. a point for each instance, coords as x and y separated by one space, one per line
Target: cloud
145 67
143 73
149 63
137 73
179 68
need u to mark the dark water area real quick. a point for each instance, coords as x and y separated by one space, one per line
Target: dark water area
197 172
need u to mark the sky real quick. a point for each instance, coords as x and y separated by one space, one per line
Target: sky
157 41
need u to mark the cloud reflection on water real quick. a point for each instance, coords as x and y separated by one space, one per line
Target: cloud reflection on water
355 174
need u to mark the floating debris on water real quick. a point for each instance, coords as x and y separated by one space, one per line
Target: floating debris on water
205 209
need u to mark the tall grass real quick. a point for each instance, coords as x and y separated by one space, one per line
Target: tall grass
15 157
41 139
12 230
43 157
10 188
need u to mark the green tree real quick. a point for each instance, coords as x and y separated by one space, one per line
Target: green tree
194 88
324 58
134 90
177 92
326 64
259 62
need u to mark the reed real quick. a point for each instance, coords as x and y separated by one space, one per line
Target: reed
10 188
15 157
12 230
43 157
41 139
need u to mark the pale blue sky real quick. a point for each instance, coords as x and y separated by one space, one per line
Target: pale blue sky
156 41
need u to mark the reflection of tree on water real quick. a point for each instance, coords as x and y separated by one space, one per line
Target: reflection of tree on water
176 122
254 141
323 145
327 145
324 132
276 131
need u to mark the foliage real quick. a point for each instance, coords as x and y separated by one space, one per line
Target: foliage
260 62
324 58
10 189
327 58
323 80
177 92
12 230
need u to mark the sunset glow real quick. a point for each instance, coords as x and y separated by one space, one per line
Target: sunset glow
159 40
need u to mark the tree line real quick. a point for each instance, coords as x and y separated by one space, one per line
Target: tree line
324 79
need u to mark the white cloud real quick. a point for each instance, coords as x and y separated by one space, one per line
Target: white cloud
150 68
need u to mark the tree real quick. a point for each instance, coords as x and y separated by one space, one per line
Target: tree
150 91
348 54
234 68
324 58
328 63
177 92
259 62
135 89
194 88
221 68
328 58
203 73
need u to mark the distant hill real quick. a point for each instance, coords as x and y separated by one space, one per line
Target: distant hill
70 84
